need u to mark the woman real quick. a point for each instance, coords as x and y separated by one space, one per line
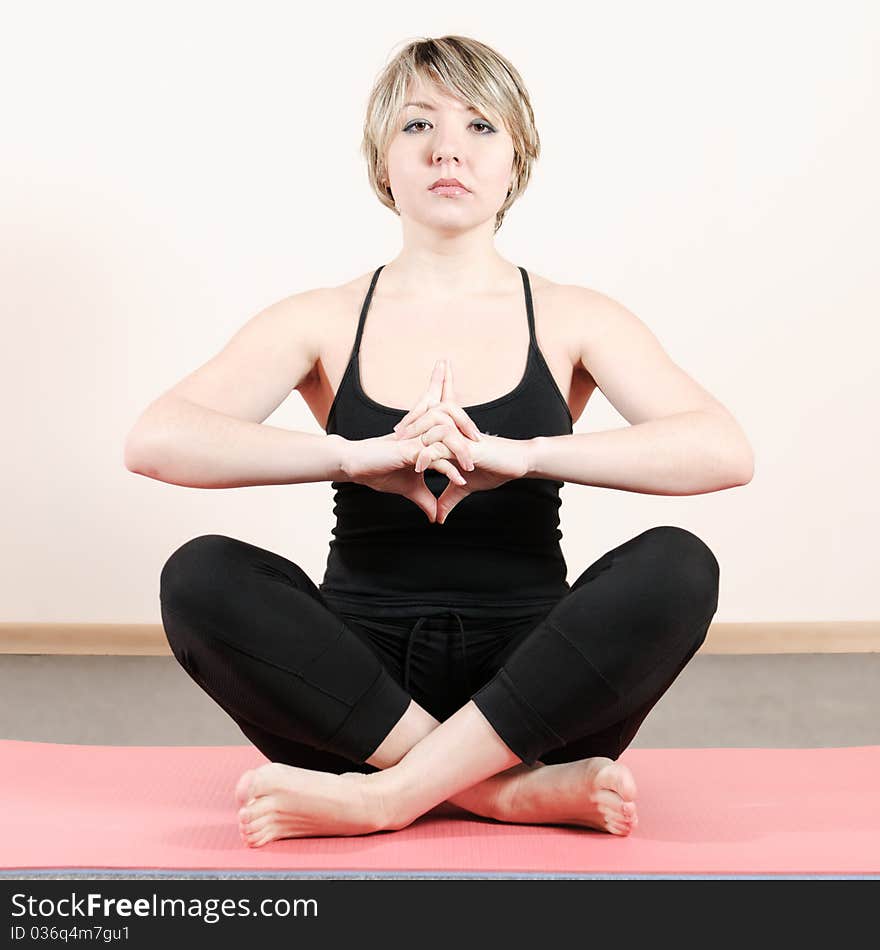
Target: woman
443 656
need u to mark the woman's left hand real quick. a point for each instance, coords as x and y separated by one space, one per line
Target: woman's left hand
496 460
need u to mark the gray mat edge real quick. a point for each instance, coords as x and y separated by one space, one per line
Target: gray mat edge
160 874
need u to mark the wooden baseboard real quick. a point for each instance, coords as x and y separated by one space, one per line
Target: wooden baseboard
148 639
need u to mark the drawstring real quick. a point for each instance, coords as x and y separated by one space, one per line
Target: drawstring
467 680
412 635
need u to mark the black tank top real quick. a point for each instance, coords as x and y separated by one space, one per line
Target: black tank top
498 549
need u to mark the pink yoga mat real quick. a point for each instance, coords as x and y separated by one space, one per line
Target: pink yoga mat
701 812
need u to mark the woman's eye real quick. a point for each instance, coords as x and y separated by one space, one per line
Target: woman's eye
423 122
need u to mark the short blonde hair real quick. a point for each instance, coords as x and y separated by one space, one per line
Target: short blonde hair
469 70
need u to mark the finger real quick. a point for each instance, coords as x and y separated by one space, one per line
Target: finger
461 420
448 391
449 436
405 428
460 446
445 434
449 470
449 404
447 453
461 417
436 456
449 498
417 426
435 386
431 396
423 497
428 454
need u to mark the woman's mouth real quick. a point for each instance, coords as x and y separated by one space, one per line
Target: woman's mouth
450 191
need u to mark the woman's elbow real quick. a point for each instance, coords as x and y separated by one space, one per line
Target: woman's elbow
141 454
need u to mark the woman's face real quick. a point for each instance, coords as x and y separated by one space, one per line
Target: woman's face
442 138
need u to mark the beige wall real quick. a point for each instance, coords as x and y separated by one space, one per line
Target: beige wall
165 175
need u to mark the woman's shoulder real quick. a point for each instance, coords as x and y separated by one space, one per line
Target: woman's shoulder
321 304
341 295
562 304
562 291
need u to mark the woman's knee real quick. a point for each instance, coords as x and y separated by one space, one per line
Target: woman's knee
686 564
187 574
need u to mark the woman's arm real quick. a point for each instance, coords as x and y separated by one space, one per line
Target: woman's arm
688 453
207 431
681 440
186 444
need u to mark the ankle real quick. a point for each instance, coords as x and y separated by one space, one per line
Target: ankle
386 799
515 789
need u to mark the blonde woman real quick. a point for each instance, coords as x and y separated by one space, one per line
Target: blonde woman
444 656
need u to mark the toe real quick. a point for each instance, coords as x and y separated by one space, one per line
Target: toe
264 836
252 836
608 800
256 825
258 811
617 778
243 791
256 783
626 785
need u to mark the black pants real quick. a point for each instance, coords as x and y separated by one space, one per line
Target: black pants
312 686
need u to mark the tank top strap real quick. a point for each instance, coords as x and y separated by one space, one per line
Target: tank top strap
527 291
530 313
363 317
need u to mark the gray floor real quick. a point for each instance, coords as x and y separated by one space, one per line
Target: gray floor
770 700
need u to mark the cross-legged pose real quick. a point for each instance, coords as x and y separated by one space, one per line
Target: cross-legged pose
444 656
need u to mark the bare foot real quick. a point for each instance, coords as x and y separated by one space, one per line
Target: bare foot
487 798
596 793
283 801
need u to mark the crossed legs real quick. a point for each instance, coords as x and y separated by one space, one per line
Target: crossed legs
462 760
609 649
